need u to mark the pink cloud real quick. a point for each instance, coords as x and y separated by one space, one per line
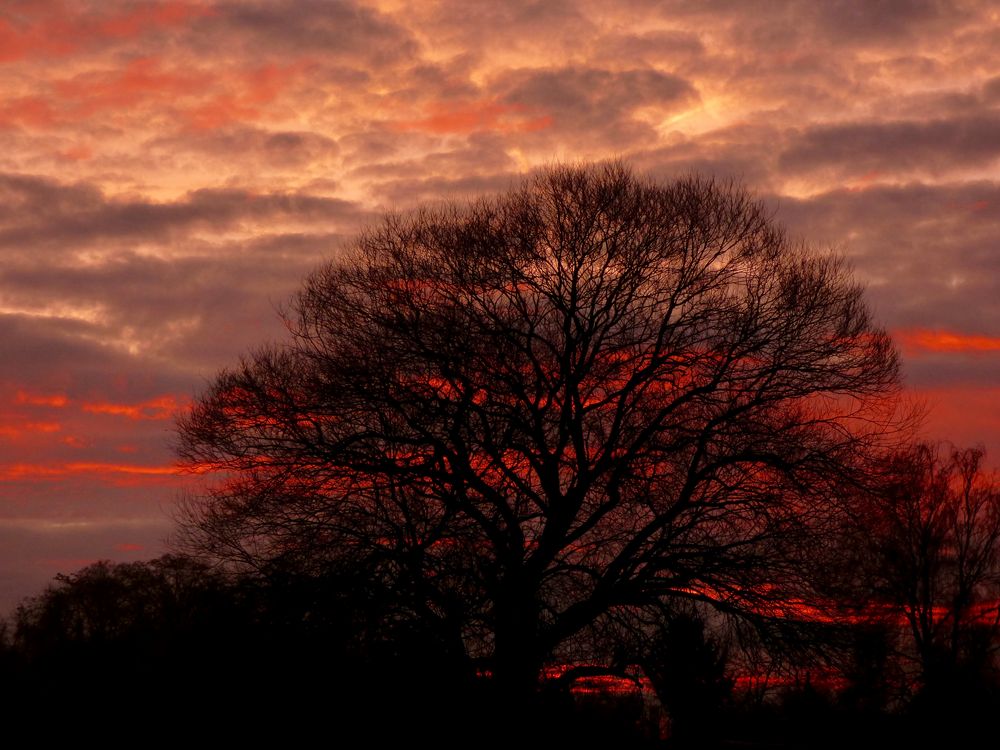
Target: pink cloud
244 95
141 80
79 152
31 111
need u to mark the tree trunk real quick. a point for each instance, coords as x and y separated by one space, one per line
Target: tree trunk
517 655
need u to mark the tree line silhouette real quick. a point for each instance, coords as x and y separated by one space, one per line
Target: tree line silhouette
596 425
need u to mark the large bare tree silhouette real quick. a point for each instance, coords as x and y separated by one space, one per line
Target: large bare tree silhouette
534 417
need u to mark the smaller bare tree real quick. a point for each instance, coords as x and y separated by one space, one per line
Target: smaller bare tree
933 538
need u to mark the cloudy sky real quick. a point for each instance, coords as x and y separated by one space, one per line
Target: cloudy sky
170 171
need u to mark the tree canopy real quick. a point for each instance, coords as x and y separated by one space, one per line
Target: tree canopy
533 418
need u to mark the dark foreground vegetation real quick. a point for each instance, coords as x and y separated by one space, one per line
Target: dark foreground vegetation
173 649
596 461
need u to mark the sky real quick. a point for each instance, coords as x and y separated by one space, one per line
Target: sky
171 171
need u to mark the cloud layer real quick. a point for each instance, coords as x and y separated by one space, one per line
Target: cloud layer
173 169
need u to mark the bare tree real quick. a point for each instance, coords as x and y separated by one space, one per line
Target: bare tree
538 414
933 541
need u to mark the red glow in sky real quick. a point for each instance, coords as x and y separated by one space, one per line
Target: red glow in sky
171 171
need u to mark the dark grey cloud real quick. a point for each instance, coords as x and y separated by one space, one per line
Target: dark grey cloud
742 152
483 163
36 551
487 28
370 146
110 292
930 370
24 197
52 352
278 149
941 104
757 23
441 82
991 90
669 47
45 213
405 193
928 252
901 147
592 106
330 28
194 312
866 21
74 316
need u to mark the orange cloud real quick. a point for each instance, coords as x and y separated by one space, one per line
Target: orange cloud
964 415
41 399
161 407
58 30
17 430
918 340
477 116
83 467
110 472
200 98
